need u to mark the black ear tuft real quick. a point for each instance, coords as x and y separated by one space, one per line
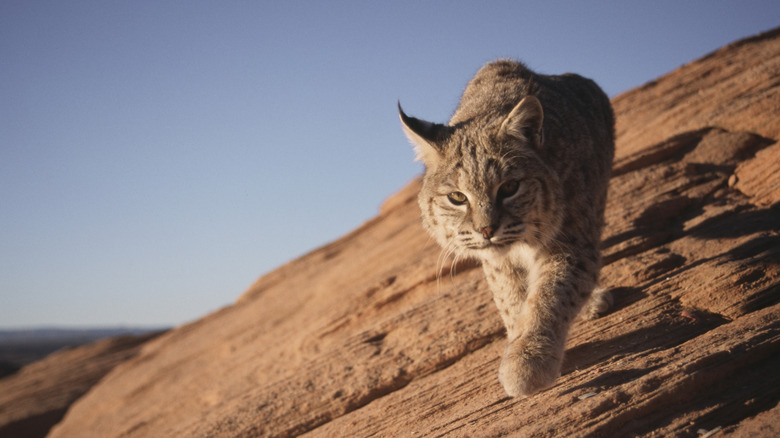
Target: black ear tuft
426 137
431 132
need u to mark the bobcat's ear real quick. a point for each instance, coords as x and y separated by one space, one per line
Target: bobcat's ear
426 138
525 121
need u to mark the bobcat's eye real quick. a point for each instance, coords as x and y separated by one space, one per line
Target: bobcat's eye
508 189
457 198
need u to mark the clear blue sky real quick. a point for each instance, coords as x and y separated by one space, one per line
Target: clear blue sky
157 157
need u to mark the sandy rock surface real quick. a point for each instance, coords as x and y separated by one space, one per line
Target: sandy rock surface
377 335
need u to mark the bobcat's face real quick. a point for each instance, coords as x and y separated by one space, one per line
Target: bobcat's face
483 198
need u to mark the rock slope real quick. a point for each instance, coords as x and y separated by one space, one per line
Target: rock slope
377 335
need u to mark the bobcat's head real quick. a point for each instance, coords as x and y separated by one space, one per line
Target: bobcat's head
485 185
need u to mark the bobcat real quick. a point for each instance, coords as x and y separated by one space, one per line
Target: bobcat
518 179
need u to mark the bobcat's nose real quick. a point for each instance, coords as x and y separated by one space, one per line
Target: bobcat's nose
487 232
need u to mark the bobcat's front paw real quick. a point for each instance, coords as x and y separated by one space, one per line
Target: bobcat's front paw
525 370
599 303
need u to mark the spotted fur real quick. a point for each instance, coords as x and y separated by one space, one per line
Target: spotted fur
518 179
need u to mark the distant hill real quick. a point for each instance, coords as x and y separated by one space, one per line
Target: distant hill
19 347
